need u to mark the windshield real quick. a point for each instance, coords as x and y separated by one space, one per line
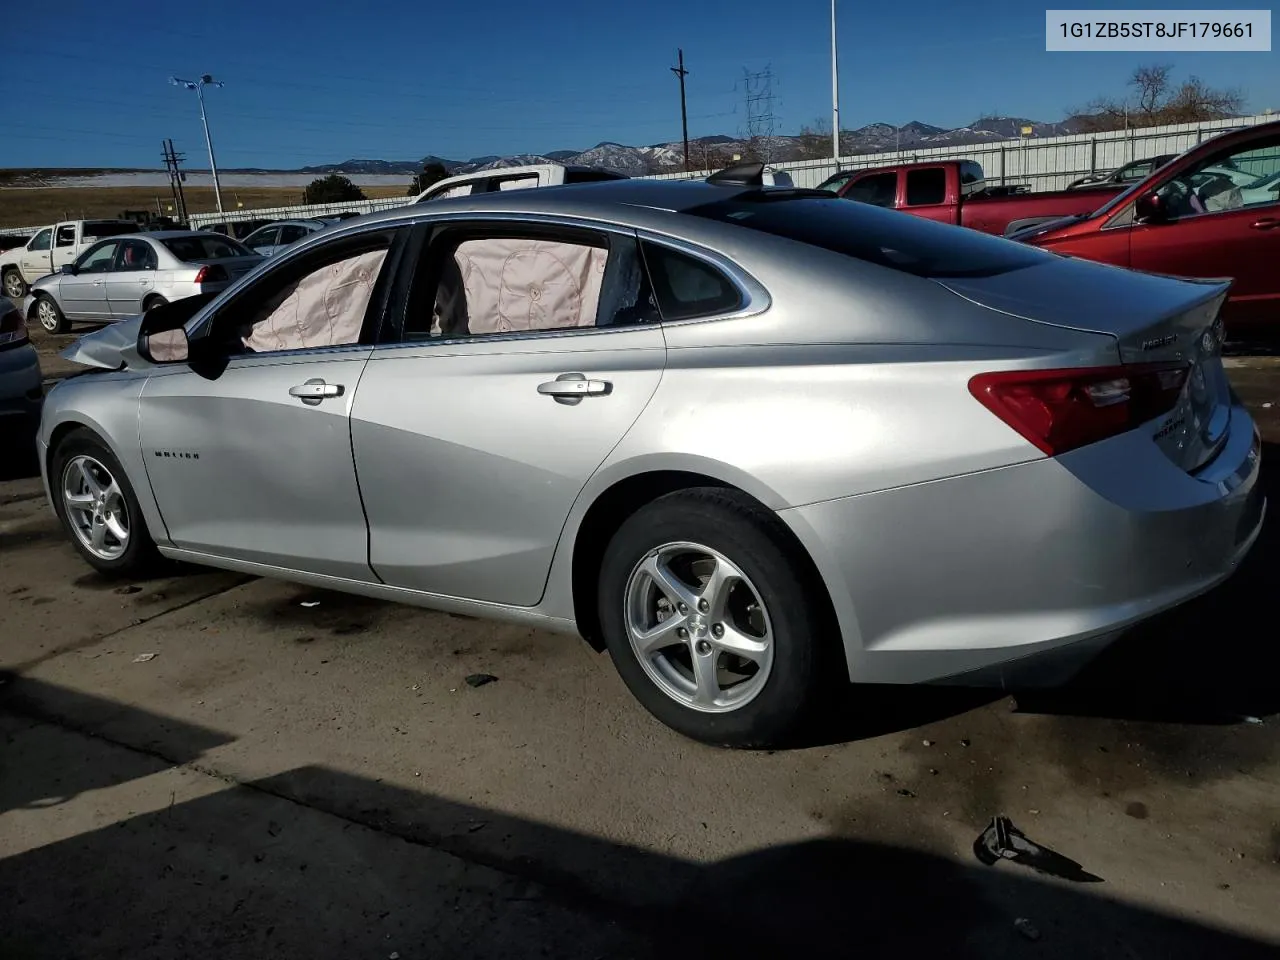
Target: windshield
211 247
868 233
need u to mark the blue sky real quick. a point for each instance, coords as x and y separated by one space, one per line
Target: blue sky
322 81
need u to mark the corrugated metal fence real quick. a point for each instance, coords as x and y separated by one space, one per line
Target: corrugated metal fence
1048 163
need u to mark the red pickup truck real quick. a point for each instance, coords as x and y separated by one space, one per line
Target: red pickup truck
955 191
1212 212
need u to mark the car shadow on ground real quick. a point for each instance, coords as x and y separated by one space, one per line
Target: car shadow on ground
317 863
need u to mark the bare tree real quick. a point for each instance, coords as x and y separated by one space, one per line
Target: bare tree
814 142
1157 101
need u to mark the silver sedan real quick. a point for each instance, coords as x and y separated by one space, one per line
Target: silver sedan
749 440
124 276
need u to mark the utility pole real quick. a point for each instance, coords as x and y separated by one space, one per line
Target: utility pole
198 86
176 176
835 89
681 72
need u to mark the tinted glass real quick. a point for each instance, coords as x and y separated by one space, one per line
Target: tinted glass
98 259
910 244
205 248
686 287
97 229
834 184
879 190
266 237
590 176
290 232
926 186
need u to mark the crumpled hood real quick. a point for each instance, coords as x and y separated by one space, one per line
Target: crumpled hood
113 347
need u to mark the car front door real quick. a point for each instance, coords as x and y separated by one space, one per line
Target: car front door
36 259
132 279
1216 228
527 354
248 450
84 293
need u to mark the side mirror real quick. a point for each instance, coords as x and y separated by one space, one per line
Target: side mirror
69 269
1150 209
165 346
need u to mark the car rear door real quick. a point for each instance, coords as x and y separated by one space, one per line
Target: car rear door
248 451
524 358
66 245
925 194
83 294
1218 229
132 278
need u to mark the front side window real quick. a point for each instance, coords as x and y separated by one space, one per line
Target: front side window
835 184
457 190
1238 178
98 259
503 281
322 302
41 240
135 255
926 186
879 190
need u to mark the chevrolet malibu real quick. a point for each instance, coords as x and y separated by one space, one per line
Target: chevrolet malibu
752 441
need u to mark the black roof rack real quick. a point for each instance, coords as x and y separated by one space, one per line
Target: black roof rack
739 175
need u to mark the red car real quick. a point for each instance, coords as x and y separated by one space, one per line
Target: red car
956 192
1213 212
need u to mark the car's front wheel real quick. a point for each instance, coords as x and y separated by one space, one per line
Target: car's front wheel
49 316
709 619
98 507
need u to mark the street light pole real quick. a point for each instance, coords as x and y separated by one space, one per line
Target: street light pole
198 86
835 89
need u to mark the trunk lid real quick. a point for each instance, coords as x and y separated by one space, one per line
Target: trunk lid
1154 319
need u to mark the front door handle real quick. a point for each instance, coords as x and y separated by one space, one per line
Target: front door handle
315 390
1266 223
570 388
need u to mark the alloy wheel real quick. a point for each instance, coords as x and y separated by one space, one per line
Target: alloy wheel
47 314
13 285
95 507
698 627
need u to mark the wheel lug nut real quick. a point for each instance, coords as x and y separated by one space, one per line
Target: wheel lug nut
703 606
703 648
682 633
717 630
684 608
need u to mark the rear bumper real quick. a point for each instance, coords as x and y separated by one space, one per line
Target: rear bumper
971 576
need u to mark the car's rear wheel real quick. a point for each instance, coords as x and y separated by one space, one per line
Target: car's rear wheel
709 620
98 507
49 316
14 286
152 302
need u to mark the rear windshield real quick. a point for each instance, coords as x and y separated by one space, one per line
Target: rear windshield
886 238
590 176
212 247
96 230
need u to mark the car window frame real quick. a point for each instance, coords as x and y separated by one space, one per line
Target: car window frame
81 261
296 264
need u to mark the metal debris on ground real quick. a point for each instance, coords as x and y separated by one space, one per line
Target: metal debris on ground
927 743
1001 840
904 792
480 679
309 603
144 657
1027 928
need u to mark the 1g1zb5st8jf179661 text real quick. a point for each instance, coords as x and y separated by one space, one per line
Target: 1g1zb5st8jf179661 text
1169 30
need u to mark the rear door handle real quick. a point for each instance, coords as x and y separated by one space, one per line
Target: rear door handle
315 390
1266 223
572 387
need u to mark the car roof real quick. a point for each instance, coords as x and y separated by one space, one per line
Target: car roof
164 235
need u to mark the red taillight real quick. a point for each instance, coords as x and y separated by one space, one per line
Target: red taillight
1059 410
214 274
13 329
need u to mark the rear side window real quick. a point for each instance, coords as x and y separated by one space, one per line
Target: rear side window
590 176
886 238
686 287
523 182
926 186
97 230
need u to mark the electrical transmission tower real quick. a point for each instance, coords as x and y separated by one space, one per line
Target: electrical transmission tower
758 91
176 177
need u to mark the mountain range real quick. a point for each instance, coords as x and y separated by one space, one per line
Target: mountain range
709 152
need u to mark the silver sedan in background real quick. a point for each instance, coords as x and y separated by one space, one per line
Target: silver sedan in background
124 276
753 441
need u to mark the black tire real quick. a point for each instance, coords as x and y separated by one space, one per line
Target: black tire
755 541
14 286
153 301
140 556
46 310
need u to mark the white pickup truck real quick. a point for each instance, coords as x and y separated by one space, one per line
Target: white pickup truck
514 178
51 247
